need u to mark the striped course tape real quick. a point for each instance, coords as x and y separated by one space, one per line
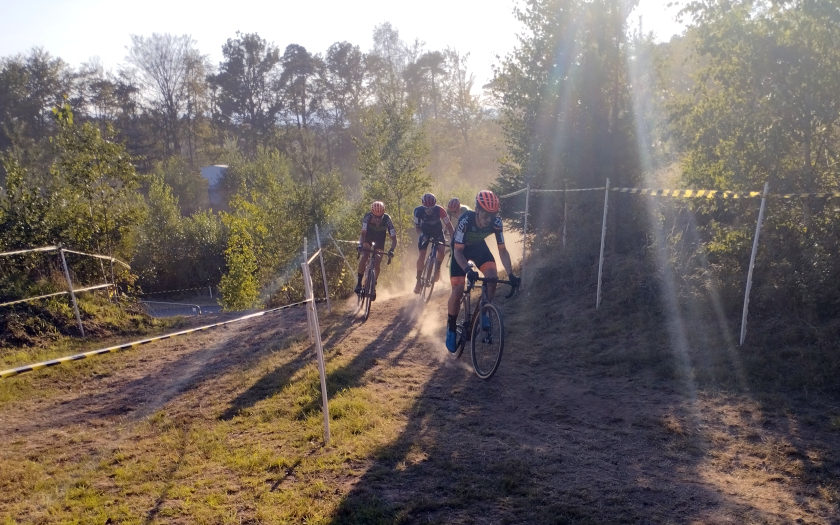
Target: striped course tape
822 195
44 364
75 290
177 290
687 193
709 194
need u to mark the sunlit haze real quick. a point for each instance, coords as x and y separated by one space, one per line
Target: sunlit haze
79 31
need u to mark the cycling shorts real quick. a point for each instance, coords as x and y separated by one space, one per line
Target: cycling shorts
478 253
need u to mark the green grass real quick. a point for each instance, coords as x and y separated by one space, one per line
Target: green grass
265 464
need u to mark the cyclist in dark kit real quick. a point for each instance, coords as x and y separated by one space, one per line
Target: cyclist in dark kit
429 221
375 224
469 244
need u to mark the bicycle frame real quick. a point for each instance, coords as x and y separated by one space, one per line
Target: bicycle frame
427 277
487 353
369 287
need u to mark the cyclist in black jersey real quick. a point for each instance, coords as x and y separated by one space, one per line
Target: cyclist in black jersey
375 224
469 244
429 220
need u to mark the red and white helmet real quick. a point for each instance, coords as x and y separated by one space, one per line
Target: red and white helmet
429 200
487 201
377 208
454 205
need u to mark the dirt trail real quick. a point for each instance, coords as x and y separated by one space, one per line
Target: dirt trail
565 442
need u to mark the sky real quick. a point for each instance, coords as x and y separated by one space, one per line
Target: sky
79 31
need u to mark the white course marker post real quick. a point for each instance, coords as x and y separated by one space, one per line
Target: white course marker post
314 329
603 236
565 212
752 264
72 293
525 232
309 320
323 268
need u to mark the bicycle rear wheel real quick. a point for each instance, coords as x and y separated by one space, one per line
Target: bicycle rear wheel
487 341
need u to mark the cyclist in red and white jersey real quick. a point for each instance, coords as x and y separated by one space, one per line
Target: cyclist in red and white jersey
375 224
429 220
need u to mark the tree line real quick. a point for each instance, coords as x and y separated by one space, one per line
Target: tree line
747 95
307 138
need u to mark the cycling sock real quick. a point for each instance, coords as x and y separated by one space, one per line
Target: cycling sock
451 322
359 282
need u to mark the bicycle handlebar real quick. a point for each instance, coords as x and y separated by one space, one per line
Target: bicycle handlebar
373 250
471 284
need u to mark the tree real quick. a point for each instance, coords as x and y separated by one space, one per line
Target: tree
167 64
565 102
303 94
387 62
393 154
422 80
343 80
97 178
765 109
30 87
187 184
239 286
247 97
160 240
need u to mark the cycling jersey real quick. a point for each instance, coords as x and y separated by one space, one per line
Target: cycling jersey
429 221
376 232
453 217
468 233
472 239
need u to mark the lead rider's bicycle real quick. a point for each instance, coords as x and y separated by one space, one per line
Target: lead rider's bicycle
483 327
368 292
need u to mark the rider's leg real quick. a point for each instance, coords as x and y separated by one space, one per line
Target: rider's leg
362 264
489 271
421 261
439 261
453 307
378 263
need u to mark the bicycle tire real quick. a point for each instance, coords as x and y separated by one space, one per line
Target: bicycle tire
431 281
487 343
426 283
370 286
462 329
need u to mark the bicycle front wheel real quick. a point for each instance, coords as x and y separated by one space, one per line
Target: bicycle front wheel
487 341
368 293
427 283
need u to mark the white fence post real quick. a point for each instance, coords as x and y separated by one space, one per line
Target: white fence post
752 264
314 329
603 236
323 268
565 211
72 293
307 286
525 232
